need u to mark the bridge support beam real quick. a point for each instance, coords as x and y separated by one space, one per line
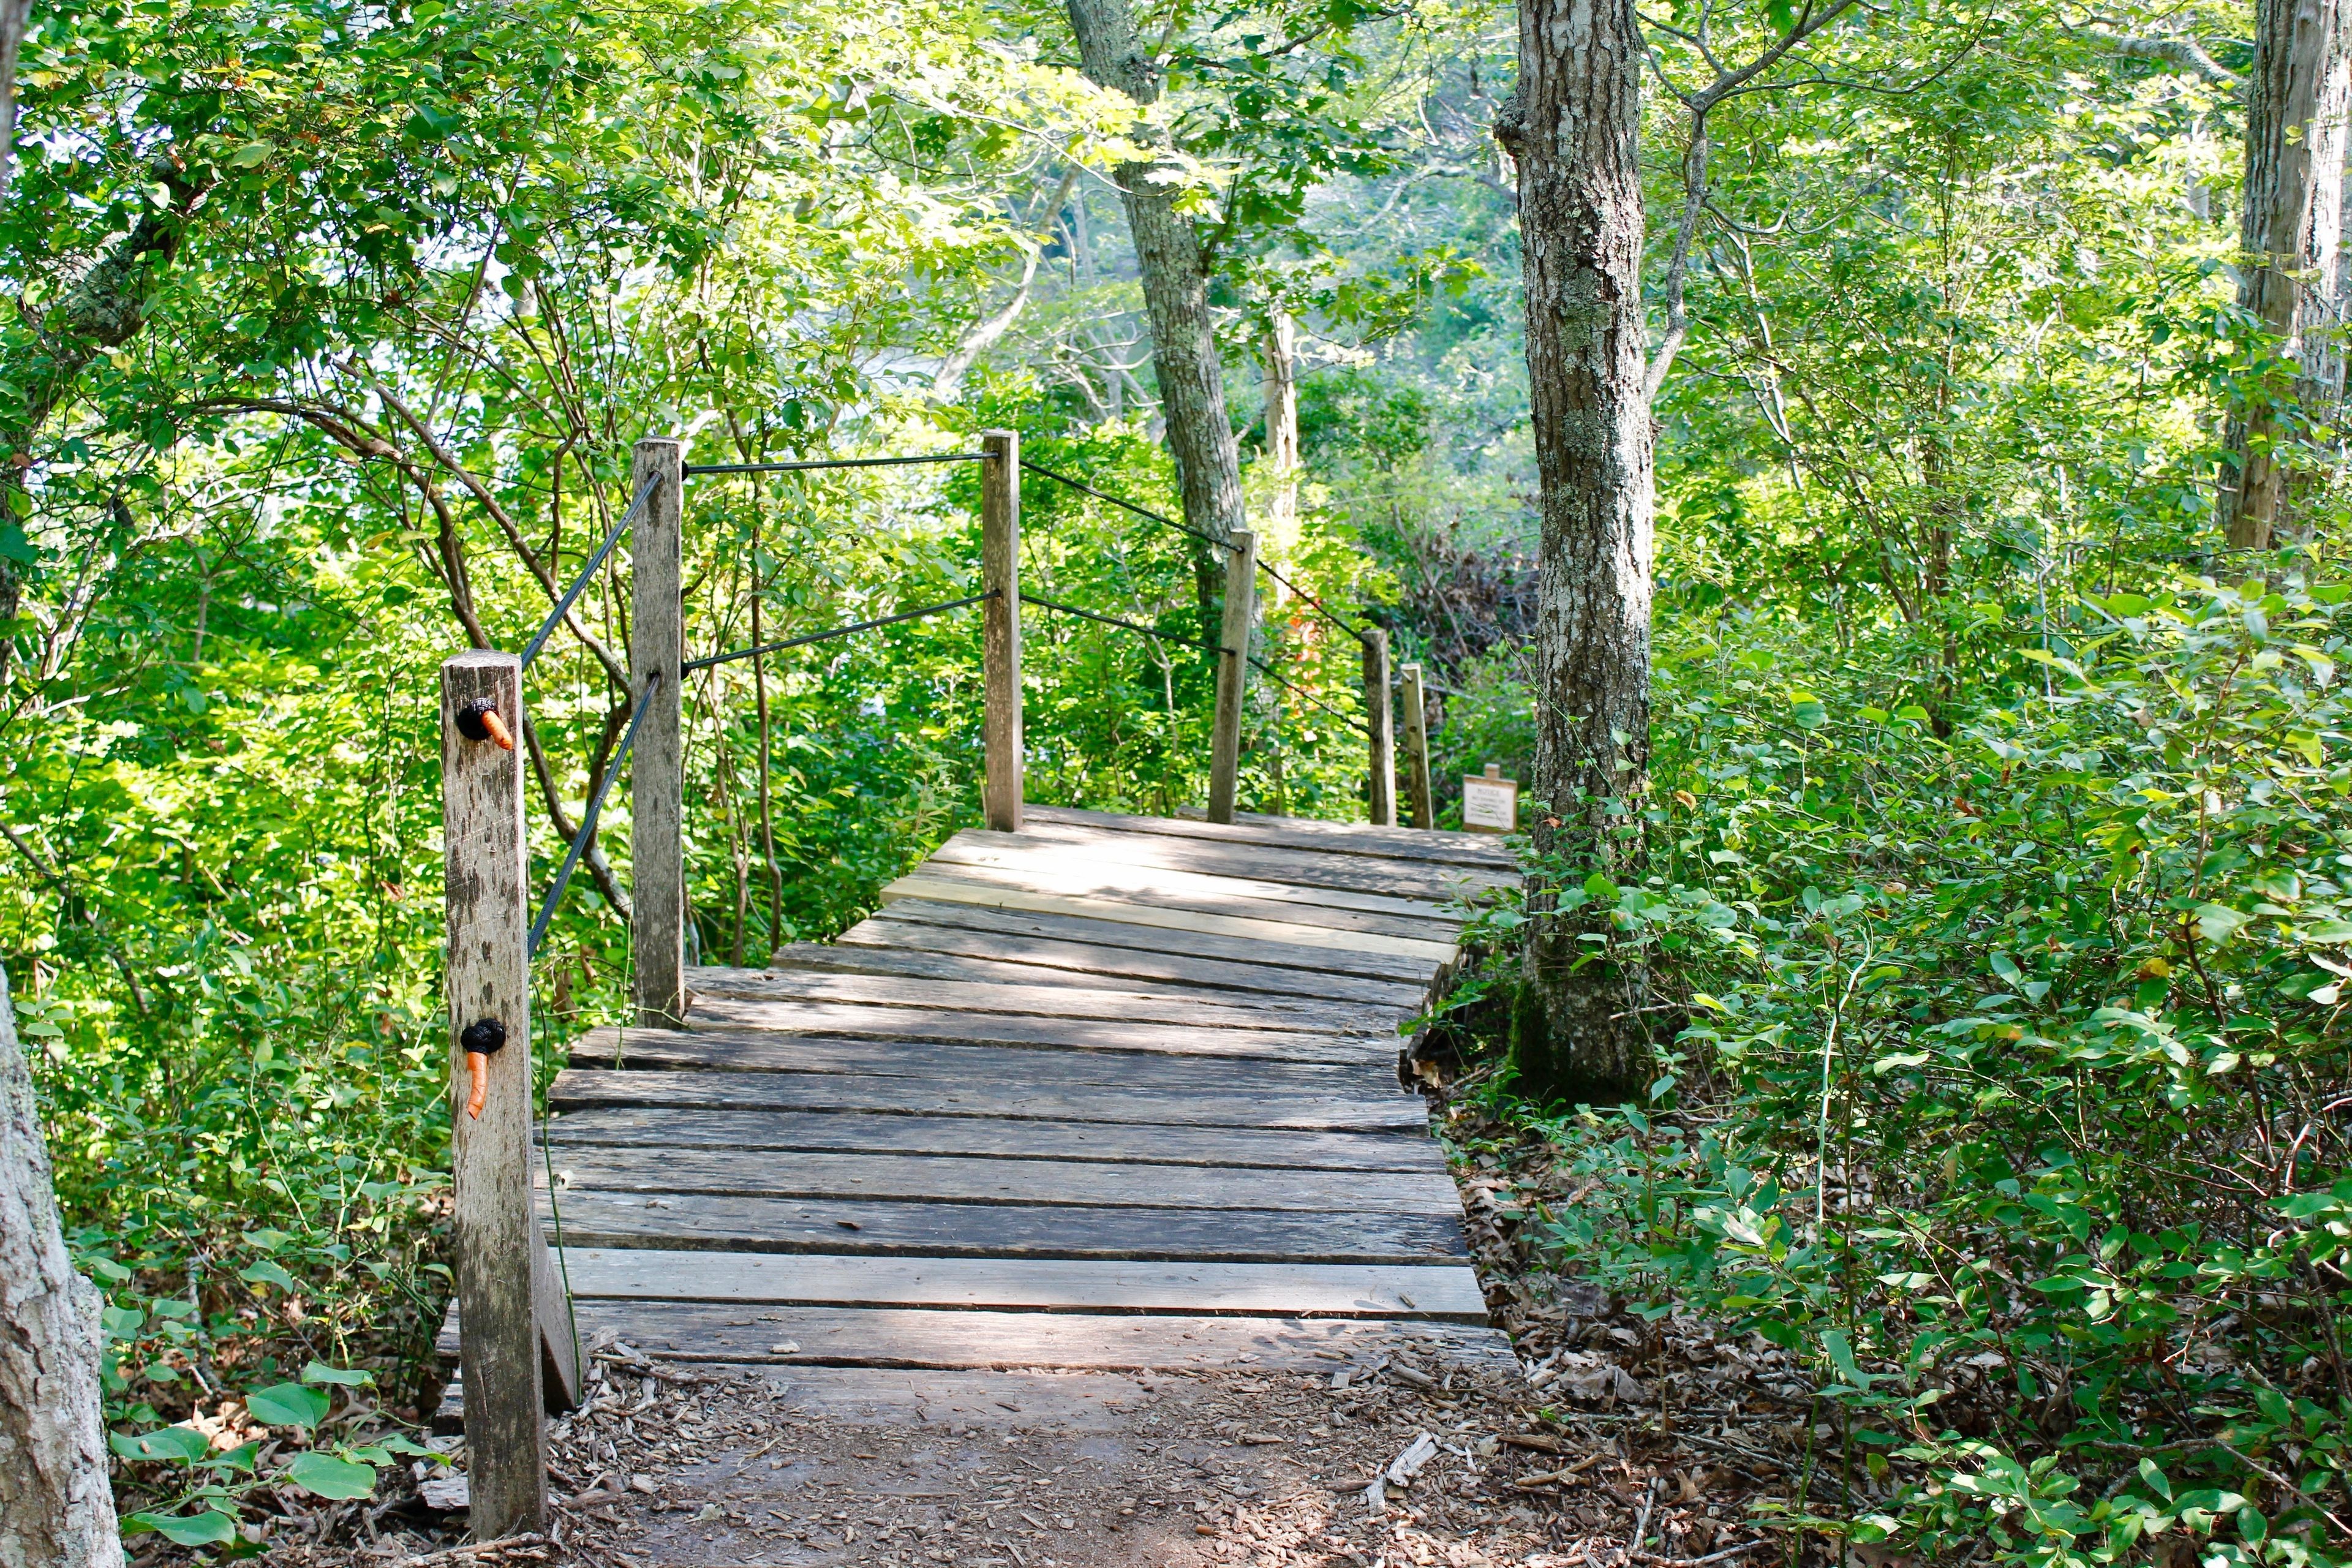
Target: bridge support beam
657 767
999 571
1380 715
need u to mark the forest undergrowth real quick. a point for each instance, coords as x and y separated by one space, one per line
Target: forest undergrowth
2005 1103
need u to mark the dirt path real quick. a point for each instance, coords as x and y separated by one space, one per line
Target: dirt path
825 1466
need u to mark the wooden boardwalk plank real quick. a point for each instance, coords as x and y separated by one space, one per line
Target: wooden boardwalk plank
1410 844
1024 1001
724 1127
1087 867
1431 882
896 1228
727 1048
835 1336
933 1178
1015 926
1444 1291
1179 892
910 928
744 1021
1270 1007
940 888
577 1089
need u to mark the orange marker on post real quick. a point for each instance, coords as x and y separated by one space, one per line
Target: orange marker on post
481 1039
480 721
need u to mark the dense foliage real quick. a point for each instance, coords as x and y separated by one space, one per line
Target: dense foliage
1995 842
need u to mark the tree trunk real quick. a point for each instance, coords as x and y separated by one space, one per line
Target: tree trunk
15 14
1278 375
2292 224
1175 272
1574 127
55 1508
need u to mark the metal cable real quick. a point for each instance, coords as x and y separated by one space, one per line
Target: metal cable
693 469
1114 621
1330 614
588 823
1143 511
580 584
694 664
1352 722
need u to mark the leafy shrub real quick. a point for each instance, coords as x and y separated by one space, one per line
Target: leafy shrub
2013 1087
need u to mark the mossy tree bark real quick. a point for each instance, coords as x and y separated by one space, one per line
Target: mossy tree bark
57 1510
1574 127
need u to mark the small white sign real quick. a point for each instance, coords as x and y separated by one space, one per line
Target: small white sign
1490 804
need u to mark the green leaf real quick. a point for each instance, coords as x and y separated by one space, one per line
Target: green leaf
210 1528
266 1273
181 1445
1840 1355
323 1474
348 1377
2217 923
250 155
288 1404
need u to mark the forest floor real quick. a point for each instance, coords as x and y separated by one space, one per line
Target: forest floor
1623 1442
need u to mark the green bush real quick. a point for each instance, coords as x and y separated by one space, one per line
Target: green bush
2013 1095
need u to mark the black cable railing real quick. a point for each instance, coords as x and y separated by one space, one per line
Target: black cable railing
1137 626
717 659
1348 719
588 823
1185 528
580 584
803 464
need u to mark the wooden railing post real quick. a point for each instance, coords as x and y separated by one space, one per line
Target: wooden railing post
1000 571
1233 674
486 863
1416 748
1380 793
656 776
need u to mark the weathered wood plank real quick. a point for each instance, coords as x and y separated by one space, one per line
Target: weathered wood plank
1444 1291
931 1178
1022 1000
1303 833
834 1336
1137 866
728 1049
940 889
1044 1141
1232 672
1069 873
1425 881
700 1222
576 1087
1379 788
892 1337
848 1021
1360 963
1015 939
926 964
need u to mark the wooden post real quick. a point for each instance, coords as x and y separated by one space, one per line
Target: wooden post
1233 674
487 864
1380 797
999 574
656 767
1416 748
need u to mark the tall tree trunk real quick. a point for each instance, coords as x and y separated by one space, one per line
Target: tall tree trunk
1278 376
1175 272
2291 227
1574 127
56 1508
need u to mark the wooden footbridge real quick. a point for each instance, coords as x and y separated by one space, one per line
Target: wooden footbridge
1090 1091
